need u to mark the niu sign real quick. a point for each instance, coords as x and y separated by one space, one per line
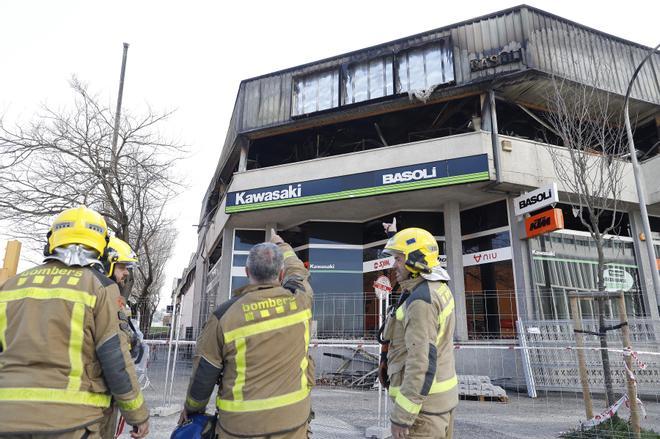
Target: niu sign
544 222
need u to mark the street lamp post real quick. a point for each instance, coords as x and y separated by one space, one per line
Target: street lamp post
641 196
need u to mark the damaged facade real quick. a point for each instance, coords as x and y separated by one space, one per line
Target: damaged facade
441 130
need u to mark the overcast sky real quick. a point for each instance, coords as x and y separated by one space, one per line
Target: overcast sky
192 55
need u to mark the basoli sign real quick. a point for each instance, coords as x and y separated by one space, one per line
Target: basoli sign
439 173
536 199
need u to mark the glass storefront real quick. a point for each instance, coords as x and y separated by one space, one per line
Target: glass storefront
490 296
243 242
567 260
341 258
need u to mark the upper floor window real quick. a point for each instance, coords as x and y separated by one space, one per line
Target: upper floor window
424 67
368 80
315 92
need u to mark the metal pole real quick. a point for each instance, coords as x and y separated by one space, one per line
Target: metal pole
176 354
386 409
115 132
380 387
638 182
169 351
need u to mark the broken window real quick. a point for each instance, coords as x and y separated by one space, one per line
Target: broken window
425 67
315 92
368 80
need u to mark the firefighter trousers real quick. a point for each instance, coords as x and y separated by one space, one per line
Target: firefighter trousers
89 432
302 432
433 426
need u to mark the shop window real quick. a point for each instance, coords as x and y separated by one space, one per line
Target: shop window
367 80
568 261
315 92
433 222
490 301
487 242
425 67
334 233
239 260
488 216
246 239
238 282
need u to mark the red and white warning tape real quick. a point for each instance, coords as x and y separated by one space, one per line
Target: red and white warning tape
628 352
611 411
605 414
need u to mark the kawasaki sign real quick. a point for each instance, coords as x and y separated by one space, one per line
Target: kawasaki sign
404 178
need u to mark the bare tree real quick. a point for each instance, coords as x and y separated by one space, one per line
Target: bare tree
589 125
64 157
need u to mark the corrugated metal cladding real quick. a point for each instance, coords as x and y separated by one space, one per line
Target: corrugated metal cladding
547 43
574 52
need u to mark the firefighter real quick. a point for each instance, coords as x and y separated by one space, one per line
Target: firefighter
119 263
61 354
120 260
255 346
419 331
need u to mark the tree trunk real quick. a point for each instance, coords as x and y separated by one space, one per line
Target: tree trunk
146 315
607 372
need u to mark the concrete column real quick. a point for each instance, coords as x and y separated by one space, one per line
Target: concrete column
268 227
242 161
522 273
644 266
454 251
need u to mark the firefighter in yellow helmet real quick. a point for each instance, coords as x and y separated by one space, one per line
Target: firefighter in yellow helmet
61 355
120 260
419 330
255 346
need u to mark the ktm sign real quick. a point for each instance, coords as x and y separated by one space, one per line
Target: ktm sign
544 222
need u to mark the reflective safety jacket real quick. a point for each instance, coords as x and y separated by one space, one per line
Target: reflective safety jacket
61 354
256 346
420 359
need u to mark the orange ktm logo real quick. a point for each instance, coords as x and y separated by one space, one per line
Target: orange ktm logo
544 222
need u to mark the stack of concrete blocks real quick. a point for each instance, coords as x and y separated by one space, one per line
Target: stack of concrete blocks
476 386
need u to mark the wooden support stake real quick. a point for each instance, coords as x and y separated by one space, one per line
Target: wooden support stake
632 388
12 254
579 341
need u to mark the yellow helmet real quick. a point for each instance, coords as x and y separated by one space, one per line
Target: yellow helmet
78 225
419 248
119 252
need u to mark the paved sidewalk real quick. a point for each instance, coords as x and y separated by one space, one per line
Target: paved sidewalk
347 414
